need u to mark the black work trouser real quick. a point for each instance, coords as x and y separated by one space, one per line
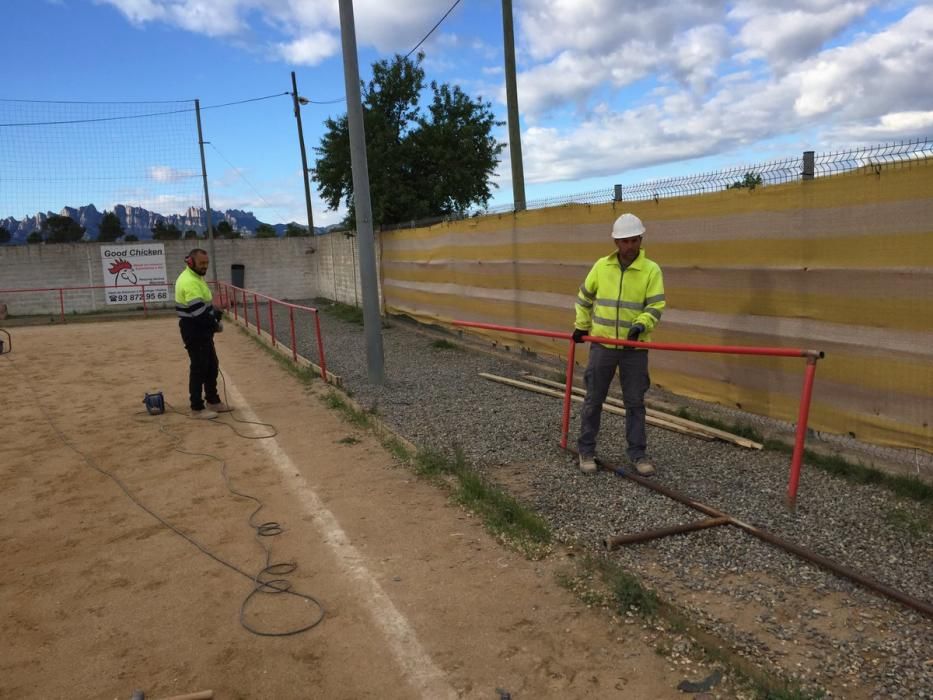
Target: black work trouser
633 376
202 375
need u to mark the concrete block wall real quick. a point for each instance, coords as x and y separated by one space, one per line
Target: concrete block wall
280 267
337 263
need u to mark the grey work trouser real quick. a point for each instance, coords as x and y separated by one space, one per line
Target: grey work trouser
633 376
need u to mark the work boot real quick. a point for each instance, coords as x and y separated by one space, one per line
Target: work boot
644 467
219 407
587 464
203 414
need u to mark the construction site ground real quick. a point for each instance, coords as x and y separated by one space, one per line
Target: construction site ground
100 598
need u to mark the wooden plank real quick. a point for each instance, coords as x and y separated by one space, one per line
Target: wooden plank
658 422
670 418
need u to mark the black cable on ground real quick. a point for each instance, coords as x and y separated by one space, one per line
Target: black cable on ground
268 579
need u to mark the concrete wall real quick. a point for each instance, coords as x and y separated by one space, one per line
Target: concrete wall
288 268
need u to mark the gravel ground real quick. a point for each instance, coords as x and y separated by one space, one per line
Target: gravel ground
771 606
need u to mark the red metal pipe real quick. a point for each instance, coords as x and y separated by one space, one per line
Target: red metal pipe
568 392
271 324
236 314
145 308
291 322
677 347
801 436
61 303
246 309
811 355
320 344
256 312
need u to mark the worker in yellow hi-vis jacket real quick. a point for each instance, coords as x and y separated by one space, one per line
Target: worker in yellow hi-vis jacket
622 298
198 320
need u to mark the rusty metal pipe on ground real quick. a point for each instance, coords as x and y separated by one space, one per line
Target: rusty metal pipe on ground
818 559
618 540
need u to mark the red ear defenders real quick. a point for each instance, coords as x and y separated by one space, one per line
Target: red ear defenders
189 261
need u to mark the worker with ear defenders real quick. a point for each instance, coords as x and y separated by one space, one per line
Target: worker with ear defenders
621 298
198 320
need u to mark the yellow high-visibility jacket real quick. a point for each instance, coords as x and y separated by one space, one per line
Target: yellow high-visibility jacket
193 305
611 300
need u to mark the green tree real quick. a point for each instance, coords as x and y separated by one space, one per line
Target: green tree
34 237
422 163
293 230
5 236
191 234
131 238
110 228
750 181
61 229
225 230
165 232
265 231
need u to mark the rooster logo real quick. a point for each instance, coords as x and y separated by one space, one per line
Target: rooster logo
122 270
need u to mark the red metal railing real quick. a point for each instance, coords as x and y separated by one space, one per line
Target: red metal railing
227 296
806 394
237 298
118 290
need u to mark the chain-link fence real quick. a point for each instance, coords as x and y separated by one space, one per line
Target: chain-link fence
808 165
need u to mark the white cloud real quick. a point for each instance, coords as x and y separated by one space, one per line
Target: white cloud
549 27
309 50
783 34
210 17
165 173
892 126
876 75
389 26
618 47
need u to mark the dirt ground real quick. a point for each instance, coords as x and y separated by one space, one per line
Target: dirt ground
99 598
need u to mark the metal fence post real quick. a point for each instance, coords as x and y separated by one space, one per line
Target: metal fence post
808 165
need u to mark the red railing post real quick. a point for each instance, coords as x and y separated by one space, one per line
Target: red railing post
236 313
811 355
801 436
256 312
61 303
246 309
271 323
145 308
320 344
291 322
568 392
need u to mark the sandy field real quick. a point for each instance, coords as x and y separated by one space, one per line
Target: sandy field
100 598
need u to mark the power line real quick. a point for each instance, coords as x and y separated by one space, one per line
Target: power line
243 177
130 116
425 38
252 99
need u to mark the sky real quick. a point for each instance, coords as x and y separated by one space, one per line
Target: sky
609 91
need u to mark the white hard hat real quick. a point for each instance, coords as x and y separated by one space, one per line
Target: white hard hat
627 226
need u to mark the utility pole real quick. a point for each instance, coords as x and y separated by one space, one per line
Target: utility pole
511 94
207 197
304 158
372 320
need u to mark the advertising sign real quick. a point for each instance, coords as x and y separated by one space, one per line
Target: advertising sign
130 266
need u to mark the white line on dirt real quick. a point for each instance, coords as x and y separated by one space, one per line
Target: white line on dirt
417 666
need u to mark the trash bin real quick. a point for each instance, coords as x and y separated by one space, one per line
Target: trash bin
238 276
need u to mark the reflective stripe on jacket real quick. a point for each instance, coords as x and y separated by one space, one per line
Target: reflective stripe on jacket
193 304
611 300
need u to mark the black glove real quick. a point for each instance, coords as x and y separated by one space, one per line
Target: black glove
636 330
578 335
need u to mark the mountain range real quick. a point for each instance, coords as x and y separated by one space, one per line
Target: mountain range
140 221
